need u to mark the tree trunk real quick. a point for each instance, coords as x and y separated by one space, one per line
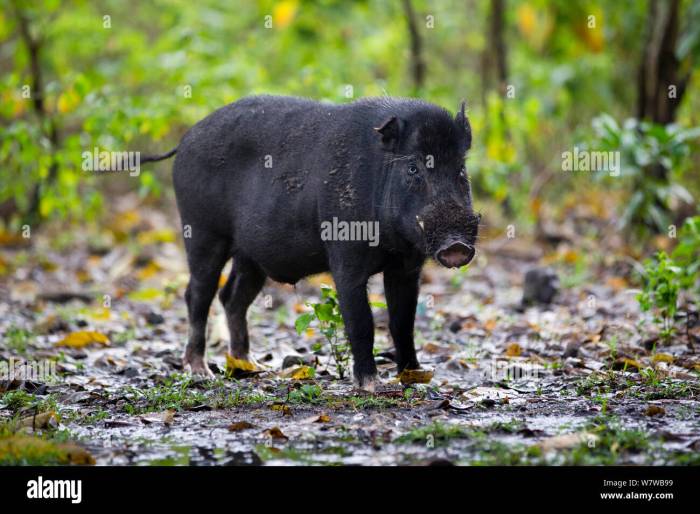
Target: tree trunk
417 62
45 120
660 70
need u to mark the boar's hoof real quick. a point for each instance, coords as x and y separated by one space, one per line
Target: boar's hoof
197 366
366 383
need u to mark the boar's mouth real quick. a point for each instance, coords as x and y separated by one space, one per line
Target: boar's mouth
450 233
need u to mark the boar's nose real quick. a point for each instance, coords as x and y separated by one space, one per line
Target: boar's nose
455 254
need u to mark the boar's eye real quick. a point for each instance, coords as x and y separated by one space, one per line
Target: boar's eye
463 172
412 169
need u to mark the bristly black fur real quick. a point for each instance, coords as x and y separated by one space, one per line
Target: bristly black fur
255 180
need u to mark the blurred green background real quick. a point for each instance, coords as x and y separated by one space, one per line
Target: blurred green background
540 77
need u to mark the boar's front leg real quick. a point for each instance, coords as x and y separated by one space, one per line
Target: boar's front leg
401 291
359 327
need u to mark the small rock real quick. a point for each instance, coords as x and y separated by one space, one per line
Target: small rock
571 349
298 360
455 326
654 410
153 318
540 287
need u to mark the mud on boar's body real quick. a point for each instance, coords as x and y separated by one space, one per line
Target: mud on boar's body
255 181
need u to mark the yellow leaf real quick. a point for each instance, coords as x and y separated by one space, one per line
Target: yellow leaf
103 313
514 350
415 376
490 324
527 19
148 237
662 357
145 295
299 373
43 420
286 411
148 271
284 12
628 364
233 365
68 101
570 257
83 338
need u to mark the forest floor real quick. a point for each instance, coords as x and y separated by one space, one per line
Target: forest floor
582 380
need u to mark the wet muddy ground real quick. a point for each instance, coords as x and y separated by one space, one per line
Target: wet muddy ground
580 381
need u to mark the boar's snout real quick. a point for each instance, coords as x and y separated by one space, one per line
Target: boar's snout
450 232
455 255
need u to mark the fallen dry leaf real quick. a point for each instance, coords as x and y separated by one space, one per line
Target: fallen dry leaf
42 420
662 357
167 417
237 426
275 433
566 441
83 338
415 376
514 350
629 364
237 365
321 418
299 373
654 410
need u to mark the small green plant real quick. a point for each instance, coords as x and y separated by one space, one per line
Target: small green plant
687 253
17 339
307 393
612 345
662 283
326 314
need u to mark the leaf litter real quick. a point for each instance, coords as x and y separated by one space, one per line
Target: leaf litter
574 381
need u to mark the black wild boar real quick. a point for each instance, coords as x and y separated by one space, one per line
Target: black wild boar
256 180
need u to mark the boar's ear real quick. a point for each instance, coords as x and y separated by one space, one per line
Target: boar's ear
390 130
463 122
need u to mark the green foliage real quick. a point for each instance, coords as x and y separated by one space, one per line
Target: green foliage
326 314
662 282
17 339
666 277
650 155
687 253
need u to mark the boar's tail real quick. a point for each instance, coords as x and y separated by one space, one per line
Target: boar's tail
154 158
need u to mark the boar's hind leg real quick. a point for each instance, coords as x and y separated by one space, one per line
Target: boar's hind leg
401 291
206 257
359 326
242 287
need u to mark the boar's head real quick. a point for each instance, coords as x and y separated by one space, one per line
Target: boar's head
427 188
